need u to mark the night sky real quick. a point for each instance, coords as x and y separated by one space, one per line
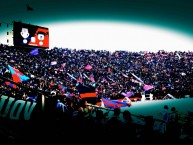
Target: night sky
173 14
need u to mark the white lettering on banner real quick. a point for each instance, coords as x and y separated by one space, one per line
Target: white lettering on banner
18 106
28 110
8 107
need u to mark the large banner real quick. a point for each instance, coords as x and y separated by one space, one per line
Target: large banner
16 109
30 35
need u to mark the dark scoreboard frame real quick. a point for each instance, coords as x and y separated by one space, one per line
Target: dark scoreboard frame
27 35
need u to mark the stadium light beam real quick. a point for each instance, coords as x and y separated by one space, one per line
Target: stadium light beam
117 36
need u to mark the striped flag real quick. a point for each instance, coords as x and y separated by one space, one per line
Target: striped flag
17 76
86 91
11 85
112 104
62 88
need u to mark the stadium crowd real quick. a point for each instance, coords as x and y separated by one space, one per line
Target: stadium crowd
112 73
57 72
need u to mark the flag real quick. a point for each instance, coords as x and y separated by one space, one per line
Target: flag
92 78
128 94
112 104
86 91
86 76
53 62
79 79
124 75
109 70
32 98
63 65
17 76
178 55
11 85
147 87
163 88
29 8
104 80
71 76
34 52
139 79
120 103
62 88
88 67
126 100
114 84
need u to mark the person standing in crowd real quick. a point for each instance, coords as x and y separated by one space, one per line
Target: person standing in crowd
165 119
60 106
173 128
114 126
128 126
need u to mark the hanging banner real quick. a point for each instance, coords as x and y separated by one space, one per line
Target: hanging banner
16 109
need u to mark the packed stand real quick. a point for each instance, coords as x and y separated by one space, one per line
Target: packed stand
52 71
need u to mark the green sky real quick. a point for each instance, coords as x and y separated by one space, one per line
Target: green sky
174 14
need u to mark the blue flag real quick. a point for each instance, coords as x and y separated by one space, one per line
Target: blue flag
34 52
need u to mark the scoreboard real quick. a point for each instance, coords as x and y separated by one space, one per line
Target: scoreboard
30 35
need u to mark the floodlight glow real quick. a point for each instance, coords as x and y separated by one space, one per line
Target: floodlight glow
117 36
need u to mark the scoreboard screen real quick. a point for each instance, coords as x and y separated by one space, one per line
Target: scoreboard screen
30 35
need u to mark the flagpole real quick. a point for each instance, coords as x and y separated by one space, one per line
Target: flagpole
43 102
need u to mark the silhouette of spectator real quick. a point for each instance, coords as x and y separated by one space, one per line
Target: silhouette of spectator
114 126
147 134
173 128
129 127
165 119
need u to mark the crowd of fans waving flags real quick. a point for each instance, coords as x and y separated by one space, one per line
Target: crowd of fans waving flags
85 90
